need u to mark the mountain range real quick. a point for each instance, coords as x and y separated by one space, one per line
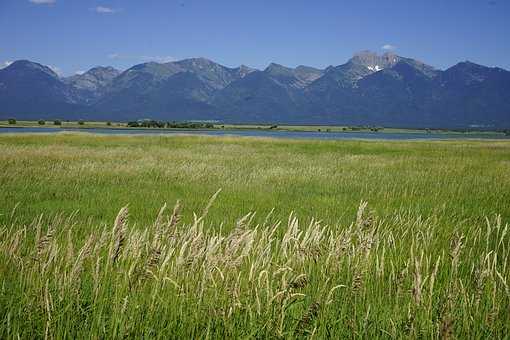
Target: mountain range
369 89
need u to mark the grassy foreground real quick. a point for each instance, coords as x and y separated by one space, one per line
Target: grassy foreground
427 257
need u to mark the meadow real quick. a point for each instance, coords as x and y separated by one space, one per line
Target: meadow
131 236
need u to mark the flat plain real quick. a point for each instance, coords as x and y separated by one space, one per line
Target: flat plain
306 238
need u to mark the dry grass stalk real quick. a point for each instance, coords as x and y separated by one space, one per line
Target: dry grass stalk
119 234
209 204
84 253
43 243
456 248
175 218
417 281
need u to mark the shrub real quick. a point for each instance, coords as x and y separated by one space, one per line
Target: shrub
133 124
41 122
81 122
108 123
57 122
11 121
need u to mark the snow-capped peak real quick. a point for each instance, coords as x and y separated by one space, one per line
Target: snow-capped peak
374 68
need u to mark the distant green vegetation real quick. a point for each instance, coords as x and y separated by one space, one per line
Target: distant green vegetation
150 124
147 123
426 256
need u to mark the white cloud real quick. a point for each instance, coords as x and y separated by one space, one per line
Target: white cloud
105 10
43 2
5 64
79 72
144 58
389 47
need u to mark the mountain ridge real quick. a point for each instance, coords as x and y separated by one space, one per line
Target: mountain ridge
369 89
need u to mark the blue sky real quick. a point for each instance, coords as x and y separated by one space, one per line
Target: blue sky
75 35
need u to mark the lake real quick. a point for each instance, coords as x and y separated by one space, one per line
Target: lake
265 133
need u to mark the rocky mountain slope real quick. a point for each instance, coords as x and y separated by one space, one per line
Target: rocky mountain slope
369 89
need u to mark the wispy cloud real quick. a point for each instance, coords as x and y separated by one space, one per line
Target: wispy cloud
144 58
43 2
389 47
105 10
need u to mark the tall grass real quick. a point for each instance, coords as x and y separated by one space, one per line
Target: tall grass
454 180
427 257
392 277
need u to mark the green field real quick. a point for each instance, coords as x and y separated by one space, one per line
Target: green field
426 257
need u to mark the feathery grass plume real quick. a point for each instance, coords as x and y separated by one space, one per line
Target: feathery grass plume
480 276
360 214
70 246
147 269
409 326
159 225
299 282
417 281
118 234
505 284
456 247
209 204
159 219
432 281
357 281
155 246
307 319
446 328
402 275
16 241
83 254
102 241
175 218
153 261
154 256
48 306
331 291
43 243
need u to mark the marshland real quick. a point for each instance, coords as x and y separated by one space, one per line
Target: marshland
220 237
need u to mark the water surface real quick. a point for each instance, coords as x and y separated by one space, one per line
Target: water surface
265 133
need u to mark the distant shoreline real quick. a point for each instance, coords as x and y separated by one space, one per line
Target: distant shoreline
253 127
